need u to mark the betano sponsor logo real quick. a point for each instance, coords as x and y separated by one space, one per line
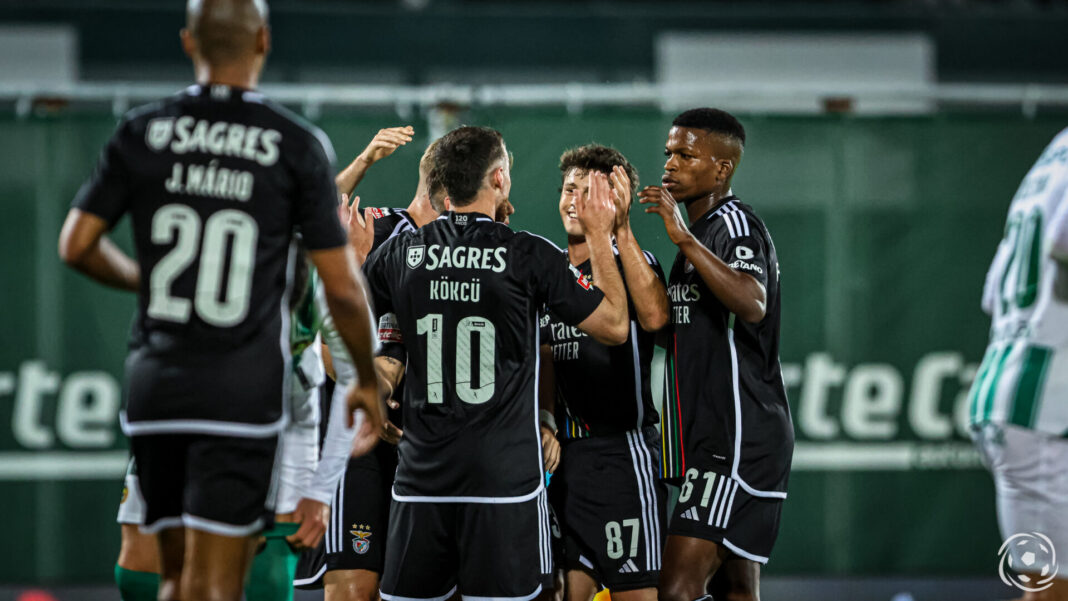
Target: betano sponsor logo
865 417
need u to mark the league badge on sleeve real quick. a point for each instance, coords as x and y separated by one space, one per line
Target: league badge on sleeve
416 254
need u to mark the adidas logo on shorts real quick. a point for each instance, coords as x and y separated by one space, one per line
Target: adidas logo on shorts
629 567
690 514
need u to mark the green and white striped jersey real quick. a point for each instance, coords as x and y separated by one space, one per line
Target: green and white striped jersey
1023 379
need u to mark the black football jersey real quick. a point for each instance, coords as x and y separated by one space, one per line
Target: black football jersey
389 223
725 405
466 292
216 181
601 390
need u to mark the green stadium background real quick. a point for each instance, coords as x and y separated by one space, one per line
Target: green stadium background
884 228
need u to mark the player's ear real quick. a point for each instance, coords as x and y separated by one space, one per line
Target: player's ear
263 40
498 178
448 204
189 43
726 169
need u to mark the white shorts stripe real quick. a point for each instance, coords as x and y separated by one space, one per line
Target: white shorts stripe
650 482
643 495
730 504
715 502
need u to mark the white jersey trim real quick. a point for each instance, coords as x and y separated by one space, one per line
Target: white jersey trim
768 494
201 426
389 597
461 499
536 592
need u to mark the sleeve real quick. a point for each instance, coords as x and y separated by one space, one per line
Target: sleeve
562 288
375 272
337 446
390 338
316 204
993 277
545 333
106 193
741 246
1059 232
300 451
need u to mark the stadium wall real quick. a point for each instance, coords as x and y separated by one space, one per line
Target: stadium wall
884 228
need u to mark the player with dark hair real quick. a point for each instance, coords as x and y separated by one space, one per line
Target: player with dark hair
726 429
469 508
217 180
606 492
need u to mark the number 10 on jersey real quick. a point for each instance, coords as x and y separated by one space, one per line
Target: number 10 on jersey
468 331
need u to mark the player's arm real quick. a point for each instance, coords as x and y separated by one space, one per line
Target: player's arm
550 447
610 322
390 372
98 206
647 291
347 299
381 146
84 246
739 292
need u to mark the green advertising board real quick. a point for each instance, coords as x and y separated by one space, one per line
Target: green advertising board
884 229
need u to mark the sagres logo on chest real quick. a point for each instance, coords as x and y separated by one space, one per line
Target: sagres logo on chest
416 254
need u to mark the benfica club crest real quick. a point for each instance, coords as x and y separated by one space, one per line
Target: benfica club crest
416 254
361 534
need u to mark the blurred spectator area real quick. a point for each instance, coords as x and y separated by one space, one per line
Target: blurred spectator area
495 41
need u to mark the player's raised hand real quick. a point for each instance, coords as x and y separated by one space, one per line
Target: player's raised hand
662 203
621 195
313 517
595 210
359 226
385 142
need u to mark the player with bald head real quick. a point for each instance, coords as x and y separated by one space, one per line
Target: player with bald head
726 434
218 181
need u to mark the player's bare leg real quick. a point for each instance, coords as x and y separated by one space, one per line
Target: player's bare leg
138 552
350 585
171 560
737 578
581 585
215 566
689 564
640 594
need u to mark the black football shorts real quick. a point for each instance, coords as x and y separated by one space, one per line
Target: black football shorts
490 550
218 484
611 504
716 507
359 520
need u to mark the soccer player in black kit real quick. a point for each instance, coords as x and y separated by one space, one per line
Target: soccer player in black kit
217 180
469 508
607 492
726 431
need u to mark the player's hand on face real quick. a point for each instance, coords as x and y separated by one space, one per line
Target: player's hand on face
550 447
621 195
385 142
360 227
391 433
595 210
313 517
662 203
